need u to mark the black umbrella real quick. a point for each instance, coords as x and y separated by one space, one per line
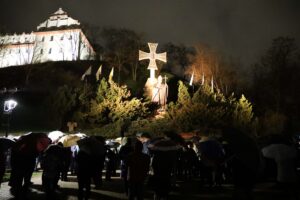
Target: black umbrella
5 144
32 143
243 148
91 146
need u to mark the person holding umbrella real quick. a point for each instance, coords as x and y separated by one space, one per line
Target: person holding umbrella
51 164
125 150
245 161
23 158
5 144
164 151
138 167
90 160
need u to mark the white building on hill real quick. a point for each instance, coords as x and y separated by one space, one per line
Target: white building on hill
59 38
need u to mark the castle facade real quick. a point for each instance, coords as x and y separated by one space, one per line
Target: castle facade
59 38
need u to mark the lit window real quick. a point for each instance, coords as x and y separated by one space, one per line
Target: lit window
50 51
51 38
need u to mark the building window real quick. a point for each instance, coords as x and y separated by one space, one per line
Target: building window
62 38
50 51
51 38
42 51
70 38
60 50
43 39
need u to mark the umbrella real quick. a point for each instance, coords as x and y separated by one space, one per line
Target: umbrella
112 143
279 152
54 149
33 142
187 135
211 149
163 144
243 148
5 144
69 140
91 146
81 135
55 135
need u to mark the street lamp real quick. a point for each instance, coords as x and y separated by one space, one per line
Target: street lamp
9 106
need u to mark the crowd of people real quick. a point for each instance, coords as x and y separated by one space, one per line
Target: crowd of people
156 162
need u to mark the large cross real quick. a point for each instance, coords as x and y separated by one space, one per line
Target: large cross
152 56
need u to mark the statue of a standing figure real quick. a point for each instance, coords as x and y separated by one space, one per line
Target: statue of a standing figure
160 92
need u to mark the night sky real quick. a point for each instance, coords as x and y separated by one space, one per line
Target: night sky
242 29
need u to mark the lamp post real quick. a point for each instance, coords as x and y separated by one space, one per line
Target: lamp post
9 106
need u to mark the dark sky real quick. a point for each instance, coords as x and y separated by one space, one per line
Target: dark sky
239 28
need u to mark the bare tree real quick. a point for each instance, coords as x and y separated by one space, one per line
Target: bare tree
208 65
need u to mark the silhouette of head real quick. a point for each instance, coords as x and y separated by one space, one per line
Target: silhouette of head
138 147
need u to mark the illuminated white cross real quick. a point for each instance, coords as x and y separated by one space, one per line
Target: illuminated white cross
152 56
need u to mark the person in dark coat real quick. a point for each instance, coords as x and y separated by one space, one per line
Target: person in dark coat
138 167
163 163
212 155
84 174
67 154
22 166
125 150
189 160
99 158
245 162
110 162
51 163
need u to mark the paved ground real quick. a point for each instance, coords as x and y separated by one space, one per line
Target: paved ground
184 190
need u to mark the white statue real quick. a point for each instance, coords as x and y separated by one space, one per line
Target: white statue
160 92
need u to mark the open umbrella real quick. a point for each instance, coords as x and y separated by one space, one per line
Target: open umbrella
81 135
55 135
5 144
91 146
187 135
279 152
163 144
32 142
242 147
69 140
